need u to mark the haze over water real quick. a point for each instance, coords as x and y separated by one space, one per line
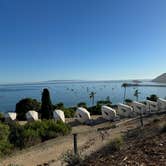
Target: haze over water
72 92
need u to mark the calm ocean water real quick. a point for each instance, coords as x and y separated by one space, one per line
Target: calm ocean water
71 93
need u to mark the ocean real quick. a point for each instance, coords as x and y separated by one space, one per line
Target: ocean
73 92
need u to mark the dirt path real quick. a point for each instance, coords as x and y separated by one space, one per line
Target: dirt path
89 140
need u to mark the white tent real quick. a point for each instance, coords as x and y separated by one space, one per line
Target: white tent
138 107
82 115
32 115
161 104
151 106
10 116
108 113
125 110
59 115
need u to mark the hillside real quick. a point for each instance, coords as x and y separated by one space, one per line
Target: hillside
141 147
160 79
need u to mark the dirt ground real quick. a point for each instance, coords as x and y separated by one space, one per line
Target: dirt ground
90 140
142 147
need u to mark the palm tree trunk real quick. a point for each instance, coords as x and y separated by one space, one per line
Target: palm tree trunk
93 100
124 94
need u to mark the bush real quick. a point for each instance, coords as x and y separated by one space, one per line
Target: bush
35 132
59 106
128 101
94 110
71 159
30 137
16 135
1 117
5 146
69 112
24 105
116 144
82 104
152 97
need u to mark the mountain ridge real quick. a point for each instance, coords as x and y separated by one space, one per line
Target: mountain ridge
160 79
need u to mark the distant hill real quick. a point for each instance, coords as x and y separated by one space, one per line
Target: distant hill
160 79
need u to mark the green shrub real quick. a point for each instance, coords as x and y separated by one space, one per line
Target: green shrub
152 97
5 146
1 117
69 112
94 110
59 105
16 135
128 101
71 159
82 104
115 144
35 132
30 137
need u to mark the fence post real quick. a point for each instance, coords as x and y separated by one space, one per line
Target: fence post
141 120
75 143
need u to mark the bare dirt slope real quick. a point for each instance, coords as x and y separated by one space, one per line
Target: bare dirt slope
90 139
142 147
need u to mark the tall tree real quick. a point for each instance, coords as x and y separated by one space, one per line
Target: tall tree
124 85
136 94
24 105
46 107
92 97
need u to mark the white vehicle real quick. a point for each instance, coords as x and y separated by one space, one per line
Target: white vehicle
139 107
151 106
32 115
108 113
161 104
82 115
59 115
10 116
125 110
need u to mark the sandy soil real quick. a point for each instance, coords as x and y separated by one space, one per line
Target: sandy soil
90 139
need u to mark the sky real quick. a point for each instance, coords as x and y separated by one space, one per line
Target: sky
82 39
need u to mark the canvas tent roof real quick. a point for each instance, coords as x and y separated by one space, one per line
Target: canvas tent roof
82 115
59 115
108 112
32 115
125 110
10 115
161 103
124 106
135 103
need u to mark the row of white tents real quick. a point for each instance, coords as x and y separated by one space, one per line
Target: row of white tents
108 113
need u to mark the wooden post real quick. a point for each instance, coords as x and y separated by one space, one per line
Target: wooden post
141 120
75 144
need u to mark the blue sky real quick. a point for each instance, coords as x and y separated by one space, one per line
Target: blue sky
81 39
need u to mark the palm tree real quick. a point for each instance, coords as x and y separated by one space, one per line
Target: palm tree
124 85
92 96
136 94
